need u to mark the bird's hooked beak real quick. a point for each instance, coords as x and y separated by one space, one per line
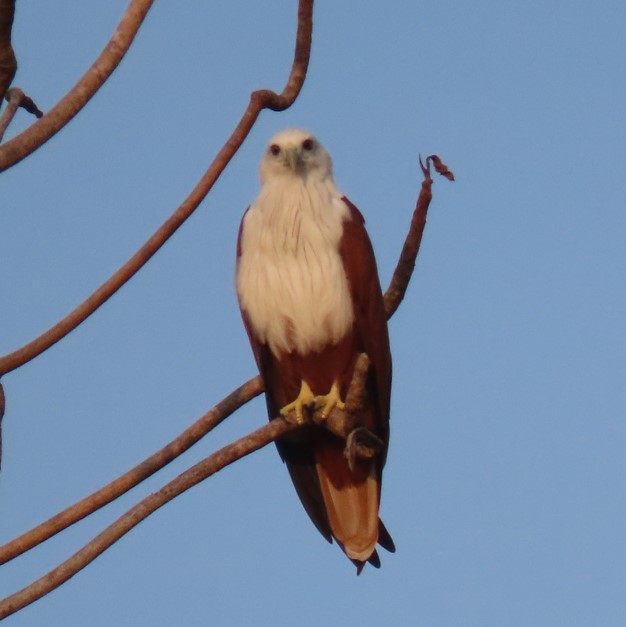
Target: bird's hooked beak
293 158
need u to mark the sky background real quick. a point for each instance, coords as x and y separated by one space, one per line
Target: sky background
505 487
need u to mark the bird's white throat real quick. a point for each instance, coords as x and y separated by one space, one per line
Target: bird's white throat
290 280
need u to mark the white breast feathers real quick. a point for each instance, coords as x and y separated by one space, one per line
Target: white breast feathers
290 280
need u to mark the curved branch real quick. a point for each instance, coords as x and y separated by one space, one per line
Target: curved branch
259 100
406 263
197 473
133 477
188 479
41 131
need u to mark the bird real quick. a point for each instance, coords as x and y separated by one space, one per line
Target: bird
311 302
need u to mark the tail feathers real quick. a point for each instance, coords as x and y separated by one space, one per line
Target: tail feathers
384 538
373 559
351 500
342 503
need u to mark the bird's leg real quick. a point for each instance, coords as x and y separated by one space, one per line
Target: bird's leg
305 398
329 401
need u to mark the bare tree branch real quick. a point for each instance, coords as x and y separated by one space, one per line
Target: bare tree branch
259 100
41 131
133 477
8 62
16 98
359 443
186 480
406 264
337 421
196 474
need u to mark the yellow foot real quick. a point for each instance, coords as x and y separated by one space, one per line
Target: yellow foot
305 398
329 401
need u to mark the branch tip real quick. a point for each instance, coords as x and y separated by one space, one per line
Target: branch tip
425 168
440 167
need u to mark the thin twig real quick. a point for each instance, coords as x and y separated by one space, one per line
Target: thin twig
259 100
41 131
133 477
406 263
16 98
8 62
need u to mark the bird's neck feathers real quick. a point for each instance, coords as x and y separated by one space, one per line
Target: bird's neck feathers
299 212
306 189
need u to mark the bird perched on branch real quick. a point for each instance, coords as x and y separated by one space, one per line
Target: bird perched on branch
311 302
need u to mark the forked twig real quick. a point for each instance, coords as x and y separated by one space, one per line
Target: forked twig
41 131
259 100
16 98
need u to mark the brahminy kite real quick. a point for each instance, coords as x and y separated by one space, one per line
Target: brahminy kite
311 302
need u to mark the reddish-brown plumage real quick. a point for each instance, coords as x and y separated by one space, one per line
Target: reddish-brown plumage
342 503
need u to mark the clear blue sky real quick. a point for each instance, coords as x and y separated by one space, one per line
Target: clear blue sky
505 488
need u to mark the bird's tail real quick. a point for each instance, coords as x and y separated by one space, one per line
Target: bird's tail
352 499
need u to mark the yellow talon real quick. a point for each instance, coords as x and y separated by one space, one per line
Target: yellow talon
329 401
304 399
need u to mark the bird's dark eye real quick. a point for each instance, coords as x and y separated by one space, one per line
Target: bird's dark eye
308 144
275 149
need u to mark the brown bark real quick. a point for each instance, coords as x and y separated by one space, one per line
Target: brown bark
8 62
406 264
16 98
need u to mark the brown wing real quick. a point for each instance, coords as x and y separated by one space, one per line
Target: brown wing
352 497
323 481
369 312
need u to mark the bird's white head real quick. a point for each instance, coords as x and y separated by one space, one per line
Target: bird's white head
295 153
